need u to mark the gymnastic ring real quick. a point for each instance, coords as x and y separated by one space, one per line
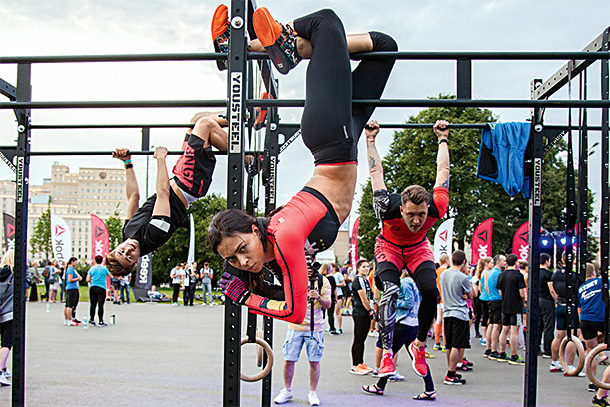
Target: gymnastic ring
594 352
581 356
267 368
259 349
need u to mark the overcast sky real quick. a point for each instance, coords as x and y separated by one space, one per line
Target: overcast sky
63 27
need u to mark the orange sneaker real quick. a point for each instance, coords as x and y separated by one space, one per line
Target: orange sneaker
261 113
221 31
358 370
280 42
365 367
387 367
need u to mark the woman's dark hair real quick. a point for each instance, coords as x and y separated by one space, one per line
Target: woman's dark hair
72 259
359 263
230 222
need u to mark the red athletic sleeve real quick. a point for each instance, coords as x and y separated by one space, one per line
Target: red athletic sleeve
288 231
440 196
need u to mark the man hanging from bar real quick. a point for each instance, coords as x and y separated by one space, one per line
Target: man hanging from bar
149 227
402 244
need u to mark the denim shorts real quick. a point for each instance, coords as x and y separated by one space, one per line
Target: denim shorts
295 341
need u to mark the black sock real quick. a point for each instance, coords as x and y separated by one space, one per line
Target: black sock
451 374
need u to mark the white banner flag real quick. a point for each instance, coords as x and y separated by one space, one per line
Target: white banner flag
443 240
191 256
61 239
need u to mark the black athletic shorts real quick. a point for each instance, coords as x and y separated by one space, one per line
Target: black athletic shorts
495 312
591 329
509 320
72 298
193 170
6 333
457 333
561 316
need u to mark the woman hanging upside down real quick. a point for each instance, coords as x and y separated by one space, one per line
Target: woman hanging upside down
309 222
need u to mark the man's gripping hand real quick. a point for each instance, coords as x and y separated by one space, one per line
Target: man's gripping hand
441 129
160 153
371 130
234 288
121 154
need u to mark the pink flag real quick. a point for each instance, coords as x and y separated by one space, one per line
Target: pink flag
99 238
481 241
521 242
353 243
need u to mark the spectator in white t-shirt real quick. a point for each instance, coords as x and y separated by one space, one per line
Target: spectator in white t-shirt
177 276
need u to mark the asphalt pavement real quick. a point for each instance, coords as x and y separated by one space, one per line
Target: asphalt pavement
163 355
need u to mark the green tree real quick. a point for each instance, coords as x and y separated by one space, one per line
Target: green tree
412 160
176 248
114 224
41 236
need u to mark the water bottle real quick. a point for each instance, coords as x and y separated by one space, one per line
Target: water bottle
85 322
48 307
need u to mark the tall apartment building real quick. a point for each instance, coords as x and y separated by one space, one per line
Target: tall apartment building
74 197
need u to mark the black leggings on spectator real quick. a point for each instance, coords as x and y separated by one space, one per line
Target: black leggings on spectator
331 315
425 278
361 330
176 293
97 296
481 314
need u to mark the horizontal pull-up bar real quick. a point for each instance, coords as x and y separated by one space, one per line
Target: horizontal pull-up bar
109 153
466 126
187 125
109 126
403 55
483 55
209 56
507 103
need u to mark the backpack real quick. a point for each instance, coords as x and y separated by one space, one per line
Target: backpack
46 272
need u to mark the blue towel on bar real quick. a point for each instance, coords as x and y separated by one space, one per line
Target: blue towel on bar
501 156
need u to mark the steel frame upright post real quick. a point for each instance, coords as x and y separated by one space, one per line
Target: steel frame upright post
535 223
24 94
605 193
583 185
236 112
270 182
464 78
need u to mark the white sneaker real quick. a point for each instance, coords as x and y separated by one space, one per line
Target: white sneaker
4 381
397 377
71 323
6 373
313 399
283 397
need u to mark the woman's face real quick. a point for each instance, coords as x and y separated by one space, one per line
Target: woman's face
244 251
364 268
490 265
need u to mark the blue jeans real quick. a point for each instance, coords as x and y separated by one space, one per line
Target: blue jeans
207 289
125 288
